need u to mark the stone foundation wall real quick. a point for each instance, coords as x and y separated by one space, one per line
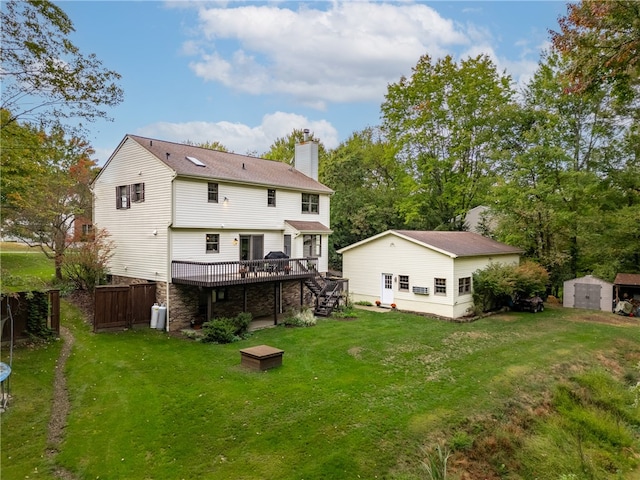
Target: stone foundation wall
186 301
183 306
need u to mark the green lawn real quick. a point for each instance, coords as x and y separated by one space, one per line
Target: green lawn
23 268
516 396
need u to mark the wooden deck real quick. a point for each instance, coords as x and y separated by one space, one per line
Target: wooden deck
243 272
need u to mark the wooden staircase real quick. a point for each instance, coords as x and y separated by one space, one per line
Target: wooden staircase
327 293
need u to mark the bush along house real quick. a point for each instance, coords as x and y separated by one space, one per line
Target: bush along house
218 233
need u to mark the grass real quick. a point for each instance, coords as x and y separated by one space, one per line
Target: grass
353 399
513 396
24 268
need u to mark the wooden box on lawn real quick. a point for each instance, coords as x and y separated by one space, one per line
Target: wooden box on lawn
262 357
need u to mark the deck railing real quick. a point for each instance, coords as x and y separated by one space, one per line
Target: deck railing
241 272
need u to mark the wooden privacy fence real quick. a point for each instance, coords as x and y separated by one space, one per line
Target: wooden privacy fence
17 306
118 307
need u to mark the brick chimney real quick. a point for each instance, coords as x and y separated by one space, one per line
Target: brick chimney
306 158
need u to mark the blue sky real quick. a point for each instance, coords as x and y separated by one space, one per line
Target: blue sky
245 73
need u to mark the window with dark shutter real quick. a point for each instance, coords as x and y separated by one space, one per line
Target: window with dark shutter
123 197
137 192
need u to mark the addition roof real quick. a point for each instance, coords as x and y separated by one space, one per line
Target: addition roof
309 227
453 244
218 165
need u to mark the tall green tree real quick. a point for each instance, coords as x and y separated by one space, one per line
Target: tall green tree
45 78
19 160
442 121
602 41
43 210
366 179
554 194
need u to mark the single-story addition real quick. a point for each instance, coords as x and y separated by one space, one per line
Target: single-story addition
421 271
588 292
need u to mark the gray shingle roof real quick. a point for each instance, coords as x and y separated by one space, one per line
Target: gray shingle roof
228 166
460 244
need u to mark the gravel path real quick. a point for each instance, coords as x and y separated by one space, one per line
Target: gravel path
60 408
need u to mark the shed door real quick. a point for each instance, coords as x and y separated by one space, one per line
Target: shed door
387 289
587 295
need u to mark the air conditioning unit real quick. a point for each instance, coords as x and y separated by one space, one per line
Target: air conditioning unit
421 290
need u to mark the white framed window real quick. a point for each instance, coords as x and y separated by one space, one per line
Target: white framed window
212 243
310 203
212 192
312 245
440 286
403 282
464 285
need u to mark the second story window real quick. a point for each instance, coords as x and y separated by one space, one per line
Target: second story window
310 203
213 243
137 192
271 198
123 197
212 192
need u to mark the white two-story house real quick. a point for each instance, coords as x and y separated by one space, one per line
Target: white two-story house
199 223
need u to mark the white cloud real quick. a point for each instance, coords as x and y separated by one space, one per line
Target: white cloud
348 52
242 138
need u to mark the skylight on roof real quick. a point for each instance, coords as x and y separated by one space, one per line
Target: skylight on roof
195 161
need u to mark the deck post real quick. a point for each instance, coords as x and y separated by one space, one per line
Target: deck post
244 298
301 293
275 303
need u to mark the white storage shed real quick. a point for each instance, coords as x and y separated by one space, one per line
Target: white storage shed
588 292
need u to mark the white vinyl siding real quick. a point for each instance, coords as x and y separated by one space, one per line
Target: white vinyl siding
138 253
178 211
363 266
188 245
245 208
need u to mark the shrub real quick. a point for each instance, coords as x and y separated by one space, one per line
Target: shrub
496 285
301 318
85 263
226 330
220 330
